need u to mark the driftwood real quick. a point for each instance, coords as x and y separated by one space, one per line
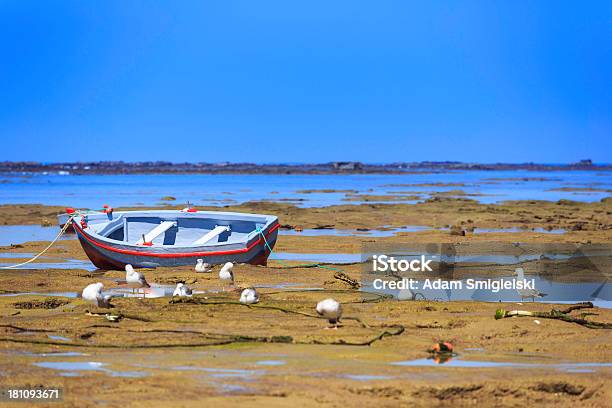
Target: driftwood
563 315
345 278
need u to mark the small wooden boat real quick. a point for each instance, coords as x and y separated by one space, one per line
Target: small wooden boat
149 239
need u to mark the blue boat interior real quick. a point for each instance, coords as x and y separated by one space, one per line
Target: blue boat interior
174 228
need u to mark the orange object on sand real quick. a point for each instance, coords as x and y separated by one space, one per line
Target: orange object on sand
442 347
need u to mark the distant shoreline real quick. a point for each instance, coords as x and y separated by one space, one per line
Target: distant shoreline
160 167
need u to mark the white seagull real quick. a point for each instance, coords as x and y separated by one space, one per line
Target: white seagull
527 293
331 310
93 294
135 279
226 273
405 294
249 296
202 266
182 290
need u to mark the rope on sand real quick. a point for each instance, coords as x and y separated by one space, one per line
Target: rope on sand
62 231
215 340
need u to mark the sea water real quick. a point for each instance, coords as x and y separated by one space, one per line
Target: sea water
92 191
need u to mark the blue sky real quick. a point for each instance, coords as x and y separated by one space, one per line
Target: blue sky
277 81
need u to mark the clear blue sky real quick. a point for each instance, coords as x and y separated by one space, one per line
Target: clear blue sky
312 81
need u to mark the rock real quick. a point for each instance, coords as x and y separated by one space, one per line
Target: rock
457 230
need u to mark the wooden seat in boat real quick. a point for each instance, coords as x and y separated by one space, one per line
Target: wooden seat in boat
156 232
218 230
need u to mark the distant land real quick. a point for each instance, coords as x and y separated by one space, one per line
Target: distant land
340 167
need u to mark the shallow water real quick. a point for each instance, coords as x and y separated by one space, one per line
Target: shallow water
326 232
336 258
60 338
66 264
271 362
155 291
24 255
366 377
457 362
73 368
222 372
515 230
202 189
18 234
599 293
58 294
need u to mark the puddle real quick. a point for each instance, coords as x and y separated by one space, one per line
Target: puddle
325 232
513 230
286 285
25 255
323 258
231 388
222 372
459 363
155 291
358 377
556 292
66 264
344 258
60 338
18 234
271 362
72 368
390 232
58 294
61 354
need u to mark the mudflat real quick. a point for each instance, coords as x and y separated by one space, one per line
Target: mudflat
211 349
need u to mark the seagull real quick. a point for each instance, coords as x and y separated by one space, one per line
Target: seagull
202 266
405 294
182 290
527 293
93 293
249 296
330 309
226 273
135 279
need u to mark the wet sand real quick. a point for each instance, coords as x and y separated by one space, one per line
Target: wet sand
436 212
211 349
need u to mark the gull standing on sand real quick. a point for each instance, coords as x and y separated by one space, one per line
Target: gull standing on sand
135 279
331 310
93 294
202 266
182 290
405 294
527 293
249 296
227 274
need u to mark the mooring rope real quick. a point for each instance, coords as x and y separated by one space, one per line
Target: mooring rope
62 231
